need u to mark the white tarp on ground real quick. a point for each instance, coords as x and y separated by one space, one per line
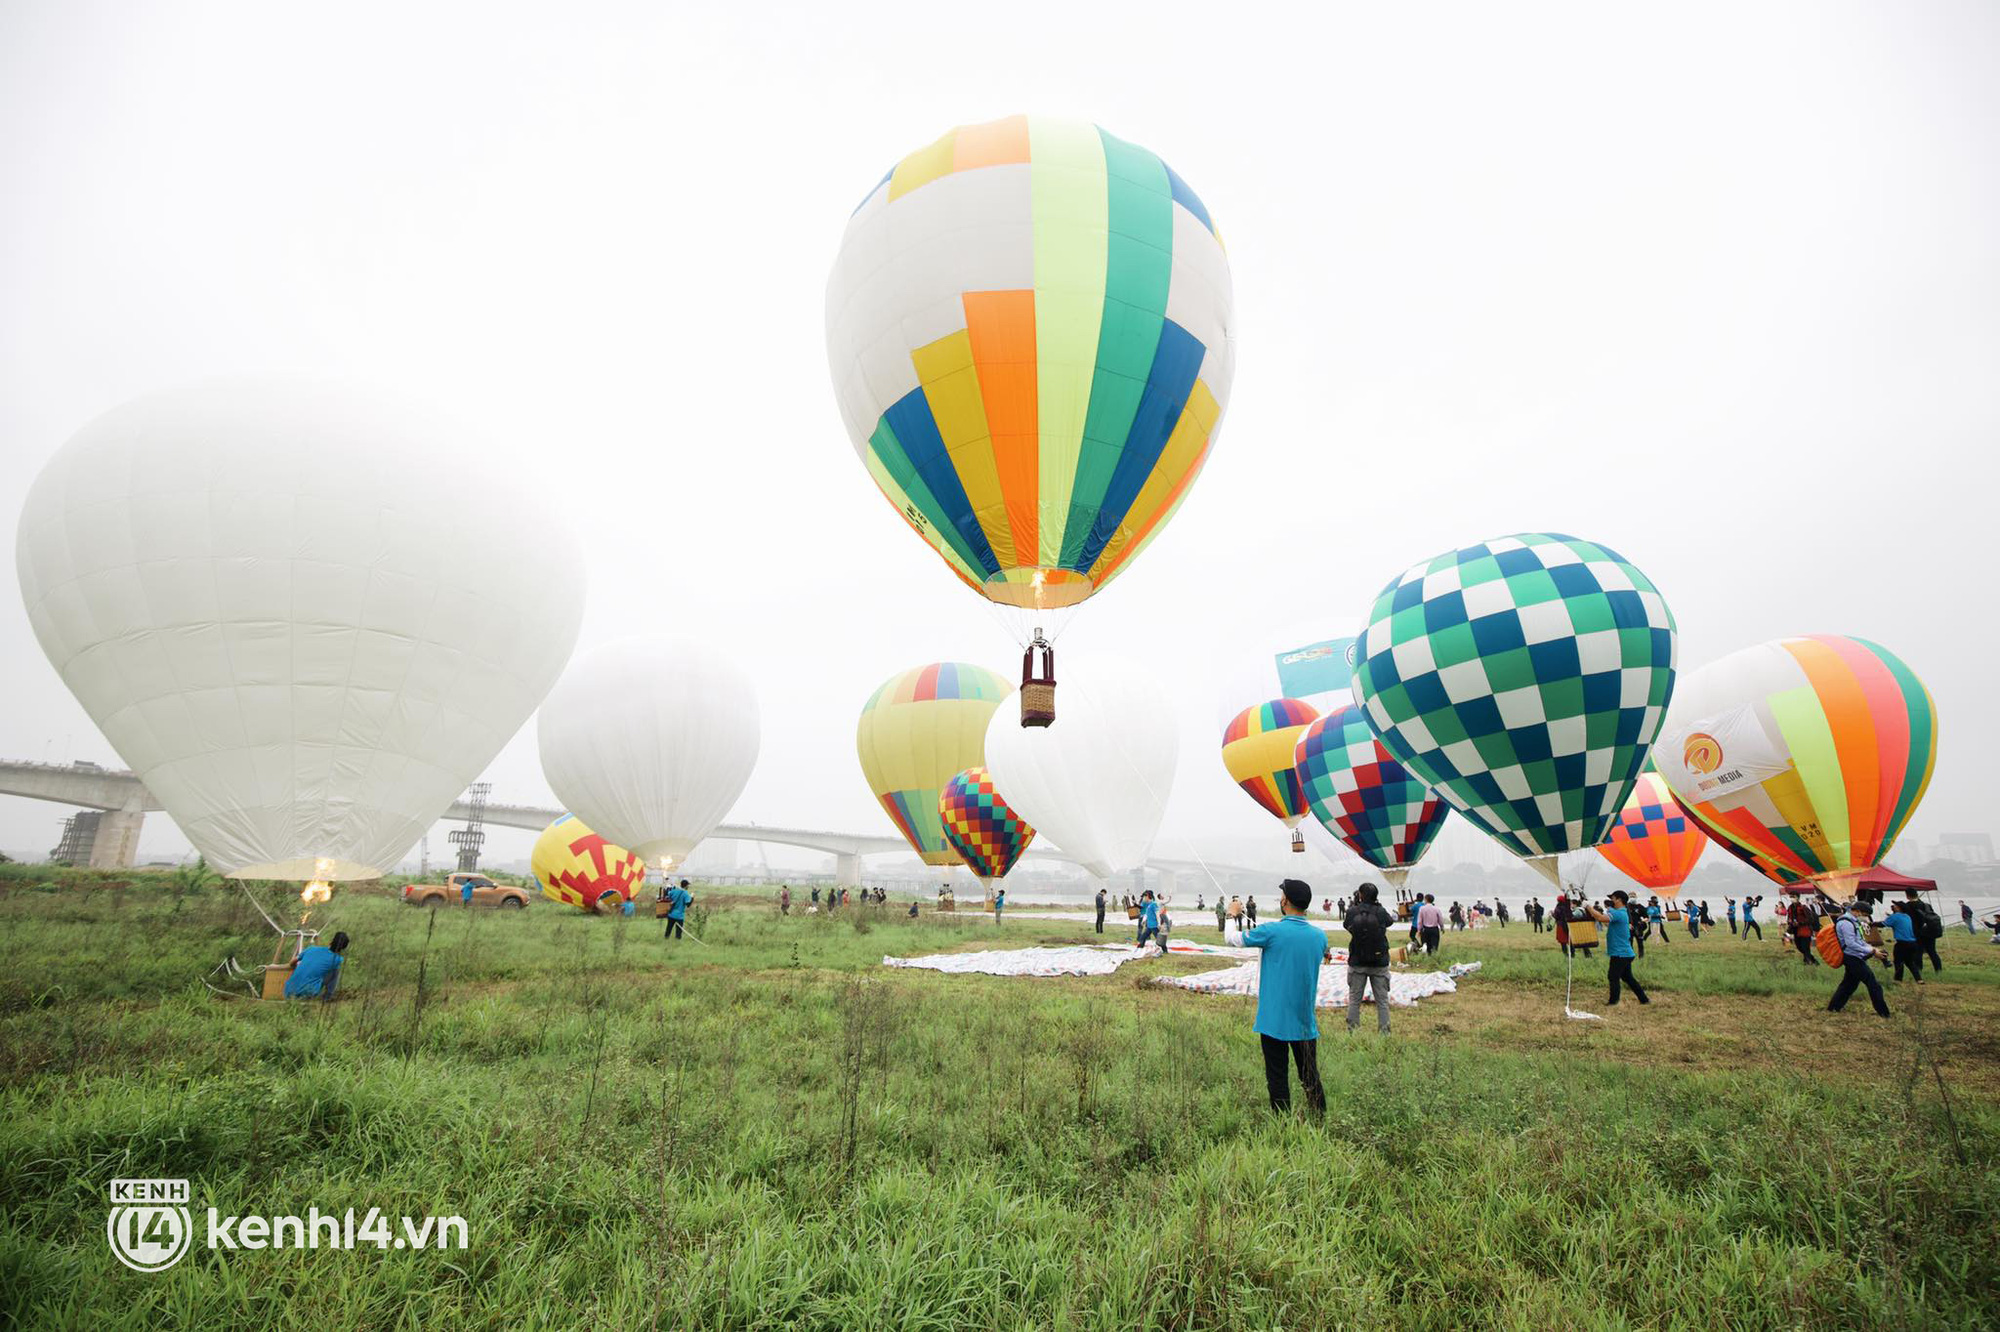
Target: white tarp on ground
1405 988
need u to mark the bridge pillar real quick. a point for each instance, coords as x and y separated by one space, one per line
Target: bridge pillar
847 869
116 845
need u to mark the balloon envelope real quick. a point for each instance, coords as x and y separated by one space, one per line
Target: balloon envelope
650 740
1097 784
264 596
1523 680
1029 328
1259 747
572 864
1653 841
919 729
981 826
1805 756
1364 797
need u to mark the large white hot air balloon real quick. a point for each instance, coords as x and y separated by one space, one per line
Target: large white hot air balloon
650 741
1097 785
305 617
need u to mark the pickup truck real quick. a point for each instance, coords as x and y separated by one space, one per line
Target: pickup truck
451 892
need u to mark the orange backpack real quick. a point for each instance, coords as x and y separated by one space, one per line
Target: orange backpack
1828 943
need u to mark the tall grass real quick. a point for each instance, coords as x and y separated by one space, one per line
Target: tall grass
772 1131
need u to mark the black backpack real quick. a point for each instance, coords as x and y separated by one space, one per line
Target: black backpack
1928 924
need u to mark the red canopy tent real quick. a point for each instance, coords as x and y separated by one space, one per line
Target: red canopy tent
1880 879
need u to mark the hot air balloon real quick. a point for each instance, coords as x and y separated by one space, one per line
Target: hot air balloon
256 590
1523 680
572 864
1363 796
919 729
1029 328
650 740
1097 785
1258 747
1307 660
1653 841
1804 756
981 827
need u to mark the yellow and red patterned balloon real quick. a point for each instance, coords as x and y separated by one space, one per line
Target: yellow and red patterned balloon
573 864
981 826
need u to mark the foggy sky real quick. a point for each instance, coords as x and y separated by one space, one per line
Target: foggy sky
1717 285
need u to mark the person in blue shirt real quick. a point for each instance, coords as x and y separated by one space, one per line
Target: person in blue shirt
1149 919
465 890
678 898
999 904
1749 905
1731 910
1617 923
317 971
1854 956
1656 919
1903 951
1287 991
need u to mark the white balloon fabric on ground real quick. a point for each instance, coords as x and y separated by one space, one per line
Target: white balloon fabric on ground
1095 783
305 616
650 741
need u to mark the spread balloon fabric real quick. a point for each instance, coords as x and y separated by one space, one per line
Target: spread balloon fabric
919 729
1803 756
1361 795
572 864
1653 841
1259 747
1029 328
980 826
1523 679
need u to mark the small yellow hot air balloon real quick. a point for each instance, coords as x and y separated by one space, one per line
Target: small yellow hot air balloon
573 864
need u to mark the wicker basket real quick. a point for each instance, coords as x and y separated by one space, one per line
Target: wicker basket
1583 934
1038 704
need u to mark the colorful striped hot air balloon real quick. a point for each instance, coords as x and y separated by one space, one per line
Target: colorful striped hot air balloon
1803 756
1364 797
988 835
1653 841
1029 329
919 729
1258 748
572 864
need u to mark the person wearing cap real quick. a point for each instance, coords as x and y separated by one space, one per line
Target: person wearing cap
1855 955
1903 952
1367 956
1287 991
1617 922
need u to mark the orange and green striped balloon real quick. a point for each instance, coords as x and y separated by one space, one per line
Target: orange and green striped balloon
1803 756
1029 325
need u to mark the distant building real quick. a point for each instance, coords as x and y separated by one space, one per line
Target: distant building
79 833
1966 848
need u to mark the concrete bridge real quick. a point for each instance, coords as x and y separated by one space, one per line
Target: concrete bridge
126 802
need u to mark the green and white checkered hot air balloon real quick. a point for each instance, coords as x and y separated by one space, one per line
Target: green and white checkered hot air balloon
1523 679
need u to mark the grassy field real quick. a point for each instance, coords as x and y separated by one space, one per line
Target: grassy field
768 1129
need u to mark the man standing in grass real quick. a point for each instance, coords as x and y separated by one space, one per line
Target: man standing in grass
1617 923
1100 910
1854 956
1656 918
1287 990
1929 928
1903 951
1430 923
1367 956
1965 914
1749 905
1730 909
678 898
999 904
